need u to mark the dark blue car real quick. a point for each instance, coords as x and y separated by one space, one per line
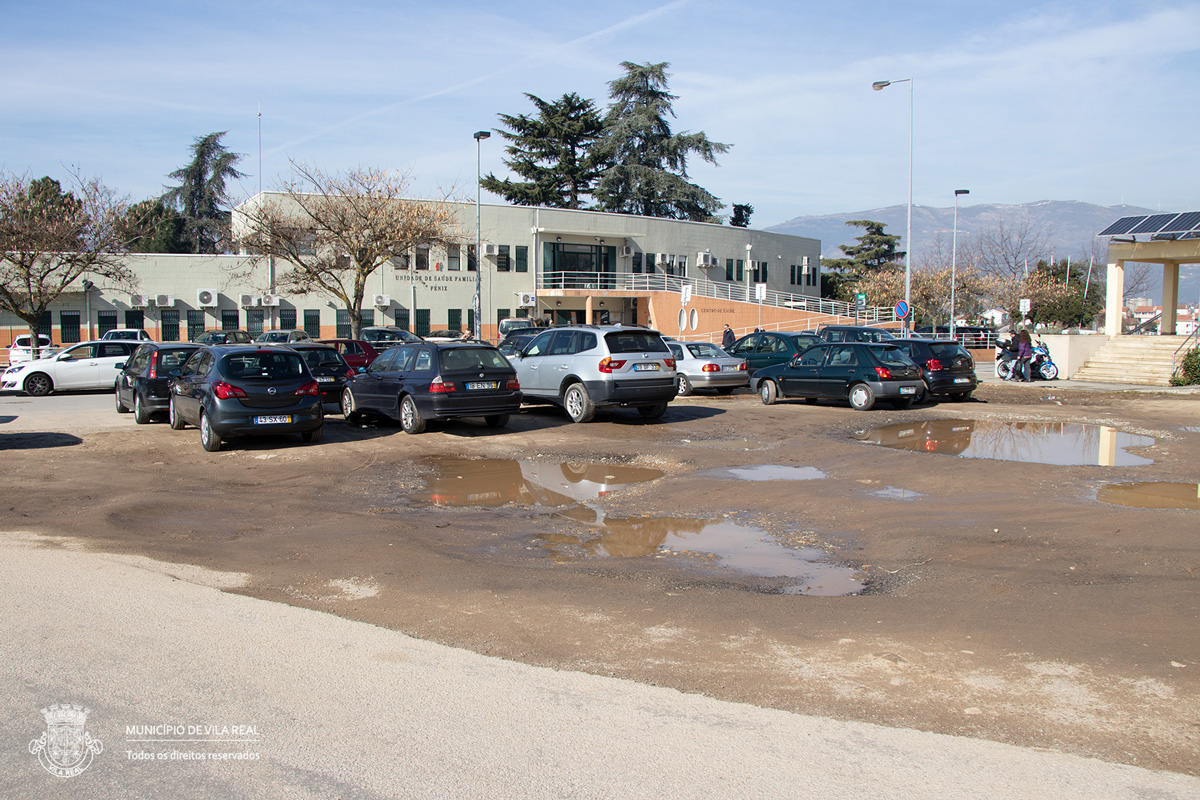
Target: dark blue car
857 372
414 383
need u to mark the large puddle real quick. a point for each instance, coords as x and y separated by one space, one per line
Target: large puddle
1151 495
495 482
1064 443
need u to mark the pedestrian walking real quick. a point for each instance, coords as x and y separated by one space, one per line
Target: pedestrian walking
727 338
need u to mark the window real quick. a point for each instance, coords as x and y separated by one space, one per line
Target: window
135 318
287 319
343 323
522 260
68 323
502 264
423 257
46 324
636 266
195 323
312 322
422 322
681 266
400 261
502 313
254 321
169 319
792 278
729 269
741 275
452 257
471 321
402 318
107 321
454 319
229 319
763 271
424 362
472 261
368 317
650 263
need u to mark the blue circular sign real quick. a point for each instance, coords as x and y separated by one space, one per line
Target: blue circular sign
901 309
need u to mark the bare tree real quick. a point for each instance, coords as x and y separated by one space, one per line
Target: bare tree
1009 249
335 230
51 239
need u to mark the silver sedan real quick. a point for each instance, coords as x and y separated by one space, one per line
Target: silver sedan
702 365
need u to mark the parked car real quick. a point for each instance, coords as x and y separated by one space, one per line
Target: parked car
415 383
128 334
516 341
702 365
278 337
767 348
381 336
327 366
356 353
223 337
970 336
585 367
20 349
946 367
443 336
854 333
143 385
511 325
859 372
230 391
87 365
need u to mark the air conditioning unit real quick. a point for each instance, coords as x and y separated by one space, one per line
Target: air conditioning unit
491 250
206 298
526 299
164 300
706 260
269 300
247 300
626 252
138 301
665 259
382 301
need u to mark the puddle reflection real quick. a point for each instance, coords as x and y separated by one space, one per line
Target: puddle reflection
896 493
1063 443
495 482
1151 495
766 472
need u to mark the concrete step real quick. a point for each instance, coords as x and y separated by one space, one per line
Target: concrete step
1147 360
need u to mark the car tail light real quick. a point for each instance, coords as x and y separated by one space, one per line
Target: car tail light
350 373
609 364
934 365
670 362
438 386
312 387
224 391
883 372
742 367
154 365
512 385
711 368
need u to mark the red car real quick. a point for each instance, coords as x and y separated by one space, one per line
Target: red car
356 353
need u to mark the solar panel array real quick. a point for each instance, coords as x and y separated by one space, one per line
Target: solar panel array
1160 226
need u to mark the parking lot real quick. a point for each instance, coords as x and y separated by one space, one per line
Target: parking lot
772 555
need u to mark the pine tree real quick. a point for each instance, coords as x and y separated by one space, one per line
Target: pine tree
874 253
553 151
201 196
647 172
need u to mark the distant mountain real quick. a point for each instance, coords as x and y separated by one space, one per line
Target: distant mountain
1070 228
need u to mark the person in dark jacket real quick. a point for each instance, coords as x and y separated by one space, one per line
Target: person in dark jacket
1024 354
727 338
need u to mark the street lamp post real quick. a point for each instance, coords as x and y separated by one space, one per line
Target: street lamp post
478 302
880 86
954 256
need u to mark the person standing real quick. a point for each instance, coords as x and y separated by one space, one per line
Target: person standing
727 338
1024 354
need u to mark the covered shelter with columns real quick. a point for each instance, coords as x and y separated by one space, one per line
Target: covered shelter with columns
1174 239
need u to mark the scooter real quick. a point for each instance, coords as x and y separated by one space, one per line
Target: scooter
1007 363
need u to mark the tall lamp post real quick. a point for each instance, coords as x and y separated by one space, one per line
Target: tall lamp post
478 302
880 86
954 256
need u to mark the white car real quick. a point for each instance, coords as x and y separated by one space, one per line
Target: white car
89 365
21 351
131 334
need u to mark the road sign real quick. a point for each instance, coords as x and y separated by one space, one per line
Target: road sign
760 291
860 301
1026 304
901 309
685 295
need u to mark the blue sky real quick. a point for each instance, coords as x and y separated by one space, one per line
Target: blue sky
1017 101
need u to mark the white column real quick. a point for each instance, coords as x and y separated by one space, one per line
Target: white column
1170 298
1114 310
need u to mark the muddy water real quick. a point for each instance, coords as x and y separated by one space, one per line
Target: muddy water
766 472
896 493
1151 495
1006 440
495 482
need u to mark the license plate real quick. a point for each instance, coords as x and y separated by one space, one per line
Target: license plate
962 380
908 390
645 367
278 419
481 384
324 379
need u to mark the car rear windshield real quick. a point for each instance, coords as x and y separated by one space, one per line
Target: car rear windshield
635 342
705 350
262 366
322 358
466 358
947 351
891 356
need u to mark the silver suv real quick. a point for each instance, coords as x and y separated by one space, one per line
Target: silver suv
585 367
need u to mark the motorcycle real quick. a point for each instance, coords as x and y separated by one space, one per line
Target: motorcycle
1040 365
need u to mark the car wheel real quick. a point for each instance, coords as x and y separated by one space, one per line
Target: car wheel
496 420
903 403
173 417
140 415
349 409
1048 371
210 440
578 403
861 397
121 409
410 416
724 390
685 387
768 392
313 436
652 412
39 384
960 397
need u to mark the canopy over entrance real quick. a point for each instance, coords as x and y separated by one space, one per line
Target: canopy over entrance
1168 239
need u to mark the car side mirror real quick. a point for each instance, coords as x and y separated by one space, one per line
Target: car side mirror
120 366
795 362
360 370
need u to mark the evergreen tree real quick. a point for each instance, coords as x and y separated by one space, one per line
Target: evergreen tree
647 172
201 196
552 151
741 215
152 227
874 253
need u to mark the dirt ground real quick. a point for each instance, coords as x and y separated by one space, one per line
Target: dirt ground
1002 599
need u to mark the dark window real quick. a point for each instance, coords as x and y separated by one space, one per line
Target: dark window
368 317
522 259
195 322
502 264
472 261
384 362
636 263
287 319
741 275
68 323
813 357
312 322
635 342
541 344
229 319
471 321
422 258
502 313
107 321
729 269
343 323
843 356
452 257
169 319
454 319
649 263
254 321
402 319
46 324
422 322
135 318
